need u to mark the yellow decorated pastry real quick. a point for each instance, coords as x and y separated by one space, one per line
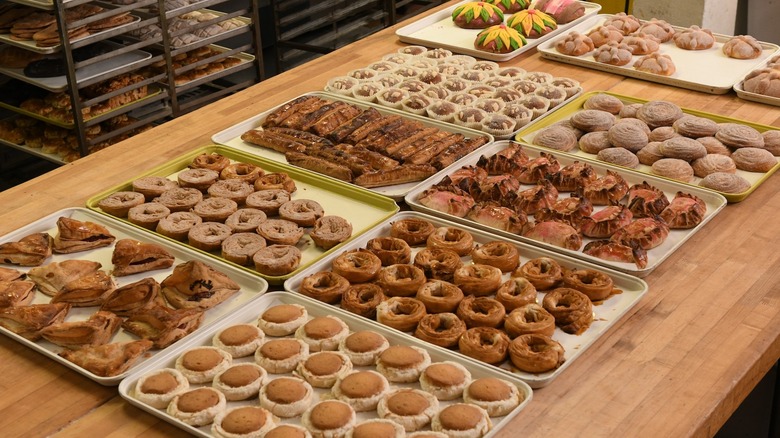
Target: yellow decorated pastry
510 6
499 39
477 15
532 23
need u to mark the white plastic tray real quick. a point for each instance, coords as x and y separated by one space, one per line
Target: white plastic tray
605 315
708 71
252 287
715 202
251 313
438 30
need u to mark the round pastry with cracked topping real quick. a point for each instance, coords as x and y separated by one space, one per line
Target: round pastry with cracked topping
323 333
402 363
329 418
496 396
239 340
363 347
243 422
159 387
377 428
361 389
282 319
240 381
279 356
445 380
201 364
323 368
288 431
197 407
462 420
412 408
286 397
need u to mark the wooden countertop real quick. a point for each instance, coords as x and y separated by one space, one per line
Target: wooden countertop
677 365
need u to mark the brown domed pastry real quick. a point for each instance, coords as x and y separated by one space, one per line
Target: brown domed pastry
572 309
215 209
323 333
486 344
157 388
462 420
119 203
445 380
401 313
694 38
240 381
695 127
390 250
725 182
131 256
530 318
329 418
280 231
477 279
234 189
742 47
439 296
712 163
276 260
361 389
658 113
594 142
673 168
198 178
201 364
268 200
197 407
362 347
772 141
323 368
442 329
499 254
662 133
658 28
656 63
280 356
593 120
477 15
641 43
240 421
535 353
516 292
543 272
153 186
754 159
563 12
402 363
324 286
245 220
400 280
481 312
357 266
242 171
595 284
212 161
738 135
287 431
286 397
613 53
574 44
239 340
604 102
275 181
683 148
496 396
556 137
605 34
763 81
362 299
620 156
303 212
282 319
208 236
413 231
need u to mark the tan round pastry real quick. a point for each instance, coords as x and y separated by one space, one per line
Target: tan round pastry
772 141
445 380
362 299
153 186
725 182
739 135
330 230
629 110
240 381
241 171
455 239
148 214
764 81
712 163
288 431
516 292
282 319
401 313
400 280
604 34
276 180
438 264
594 142
240 340
402 363
363 347
477 279
197 178
361 389
325 286
604 102
390 250
303 212
572 309
486 344
280 231
119 203
240 247
530 318
592 120
329 419
245 220
213 161
574 44
543 272
286 397
695 127
243 422
442 329
613 53
439 296
536 353
656 63
658 28
462 420
641 43
208 236
268 200
662 133
323 368
754 159
650 153
411 408
215 209
197 407
595 284
620 156
673 168
323 333
497 397
683 148
377 428
279 356
357 266
629 135
177 225
234 189
201 364
658 113
157 388
694 38
556 137
742 47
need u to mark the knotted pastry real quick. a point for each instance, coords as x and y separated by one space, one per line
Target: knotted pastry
108 360
481 312
574 44
330 230
400 280
530 318
595 284
497 253
195 284
439 296
390 250
362 299
324 286
442 329
572 309
131 257
536 353
516 292
694 38
97 330
401 313
656 63
162 325
357 266
134 297
16 293
90 289
277 259
543 272
28 321
477 279
30 250
486 344
456 239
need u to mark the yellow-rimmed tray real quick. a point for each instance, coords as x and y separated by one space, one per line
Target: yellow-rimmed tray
362 208
755 178
694 68
438 30
251 286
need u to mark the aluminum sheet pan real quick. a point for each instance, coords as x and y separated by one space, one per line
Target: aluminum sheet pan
715 203
251 313
606 314
362 208
438 30
694 67
755 178
251 286
232 137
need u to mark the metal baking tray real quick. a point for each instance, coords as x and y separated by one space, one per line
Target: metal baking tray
362 208
251 286
605 315
218 37
251 313
694 67
438 30
715 203
755 178
244 57
232 137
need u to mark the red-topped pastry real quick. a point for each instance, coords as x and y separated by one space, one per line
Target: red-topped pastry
477 15
499 39
532 23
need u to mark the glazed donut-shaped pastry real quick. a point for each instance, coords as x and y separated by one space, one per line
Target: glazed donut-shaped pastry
236 189
177 225
240 247
412 230
401 313
481 312
303 212
500 254
357 266
596 285
277 259
119 204
212 161
180 199
277 181
390 250
438 264
245 220
280 231
148 214
153 186
535 353
208 236
531 318
330 230
455 239
215 209
325 286
516 292
198 178
543 272
439 296
572 309
442 329
362 299
268 200
477 279
401 280
486 344
242 171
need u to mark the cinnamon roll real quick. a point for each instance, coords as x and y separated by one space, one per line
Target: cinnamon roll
277 259
531 318
241 171
277 180
413 231
401 313
455 239
572 309
401 280
543 272
213 161
535 353
198 178
439 296
500 254
303 212
280 231
442 329
148 214
390 250
481 312
438 264
240 247
177 225
330 230
268 200
357 266
324 286
245 220
486 344
477 279
596 285
119 204
362 299
208 236
516 292
234 189
215 209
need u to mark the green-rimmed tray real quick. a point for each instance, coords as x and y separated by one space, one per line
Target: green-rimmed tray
362 208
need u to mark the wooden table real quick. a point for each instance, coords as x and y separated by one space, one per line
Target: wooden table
677 365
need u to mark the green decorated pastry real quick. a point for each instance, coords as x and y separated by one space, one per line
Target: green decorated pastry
532 23
477 15
510 6
499 39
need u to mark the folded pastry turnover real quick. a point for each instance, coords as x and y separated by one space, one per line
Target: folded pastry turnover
97 330
108 360
134 297
28 321
74 235
31 250
163 325
195 284
16 293
131 257
8 274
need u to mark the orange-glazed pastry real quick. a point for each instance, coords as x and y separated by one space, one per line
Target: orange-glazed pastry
572 309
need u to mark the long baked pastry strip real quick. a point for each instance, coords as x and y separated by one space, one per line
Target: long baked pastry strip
376 160
296 119
363 131
284 111
457 151
327 124
269 140
311 119
429 153
405 173
319 165
303 137
418 145
339 134
355 164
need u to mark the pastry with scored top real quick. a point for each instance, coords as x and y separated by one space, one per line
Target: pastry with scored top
195 284
131 256
108 360
28 321
30 250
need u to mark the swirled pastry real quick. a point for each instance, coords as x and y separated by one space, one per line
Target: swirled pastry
486 344
330 230
530 318
477 279
456 239
572 309
535 353
357 266
595 284
401 280
413 231
442 329
754 159
516 292
725 182
390 250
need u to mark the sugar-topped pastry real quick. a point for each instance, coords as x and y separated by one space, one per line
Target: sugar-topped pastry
323 333
656 63
159 387
201 364
445 380
361 389
363 347
283 319
623 22
694 38
280 356
239 340
243 422
240 381
574 44
286 397
742 47
197 407
658 28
